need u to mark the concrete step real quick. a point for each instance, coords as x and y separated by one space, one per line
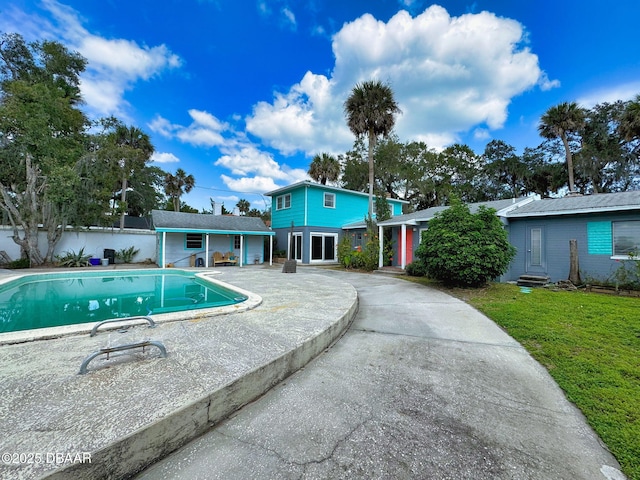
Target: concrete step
532 280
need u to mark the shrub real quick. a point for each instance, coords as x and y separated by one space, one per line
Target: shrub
127 254
20 263
465 249
360 259
72 259
417 268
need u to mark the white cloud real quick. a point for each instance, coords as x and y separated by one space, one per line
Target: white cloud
205 130
249 160
164 157
448 74
114 65
249 184
611 94
289 15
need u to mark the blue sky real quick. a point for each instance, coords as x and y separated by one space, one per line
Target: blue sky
242 94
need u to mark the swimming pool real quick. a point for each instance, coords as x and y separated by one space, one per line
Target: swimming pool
36 301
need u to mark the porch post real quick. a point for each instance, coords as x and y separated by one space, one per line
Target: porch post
241 248
206 251
270 250
380 245
164 249
403 251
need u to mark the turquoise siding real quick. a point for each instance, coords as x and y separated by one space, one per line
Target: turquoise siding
599 238
349 207
283 218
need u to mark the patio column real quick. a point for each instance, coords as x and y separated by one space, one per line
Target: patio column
241 248
270 250
206 251
403 248
381 246
163 245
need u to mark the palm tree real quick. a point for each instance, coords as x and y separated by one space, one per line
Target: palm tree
630 121
559 121
324 167
176 185
243 205
133 149
371 110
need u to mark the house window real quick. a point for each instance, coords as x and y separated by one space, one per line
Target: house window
323 247
283 201
236 242
626 238
329 200
193 241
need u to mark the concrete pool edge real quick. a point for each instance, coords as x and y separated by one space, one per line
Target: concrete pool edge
133 452
253 300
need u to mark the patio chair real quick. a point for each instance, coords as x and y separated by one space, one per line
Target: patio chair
230 258
217 259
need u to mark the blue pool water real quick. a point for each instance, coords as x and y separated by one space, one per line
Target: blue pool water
50 300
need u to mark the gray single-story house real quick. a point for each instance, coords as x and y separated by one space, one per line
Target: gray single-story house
606 227
185 237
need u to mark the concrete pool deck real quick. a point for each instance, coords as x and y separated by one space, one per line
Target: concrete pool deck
133 409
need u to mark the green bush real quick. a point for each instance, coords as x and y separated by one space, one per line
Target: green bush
72 259
465 249
365 258
127 254
20 263
417 268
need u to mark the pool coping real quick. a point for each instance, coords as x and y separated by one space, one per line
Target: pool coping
48 333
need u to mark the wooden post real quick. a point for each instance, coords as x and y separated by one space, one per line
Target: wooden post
574 267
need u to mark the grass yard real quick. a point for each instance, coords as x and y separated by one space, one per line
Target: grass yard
589 343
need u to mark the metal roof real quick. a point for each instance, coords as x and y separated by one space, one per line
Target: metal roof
164 220
502 208
579 204
307 183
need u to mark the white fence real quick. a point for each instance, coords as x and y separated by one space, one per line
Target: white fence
94 242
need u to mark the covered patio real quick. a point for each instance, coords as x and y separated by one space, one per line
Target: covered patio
183 237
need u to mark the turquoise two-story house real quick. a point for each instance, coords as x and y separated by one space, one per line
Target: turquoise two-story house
320 215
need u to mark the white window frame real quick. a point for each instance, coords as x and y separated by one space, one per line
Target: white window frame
324 235
283 201
332 203
636 248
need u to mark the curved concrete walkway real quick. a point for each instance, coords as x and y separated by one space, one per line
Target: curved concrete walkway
421 386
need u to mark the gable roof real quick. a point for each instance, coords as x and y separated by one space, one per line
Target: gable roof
307 183
502 208
167 221
581 204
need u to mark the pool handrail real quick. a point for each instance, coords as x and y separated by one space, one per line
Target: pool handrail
119 348
94 330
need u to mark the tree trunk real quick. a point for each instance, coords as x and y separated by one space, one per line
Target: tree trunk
23 212
569 158
372 144
574 267
123 202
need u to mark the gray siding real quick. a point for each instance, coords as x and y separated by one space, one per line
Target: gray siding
557 233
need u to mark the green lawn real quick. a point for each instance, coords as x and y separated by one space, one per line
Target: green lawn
590 343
